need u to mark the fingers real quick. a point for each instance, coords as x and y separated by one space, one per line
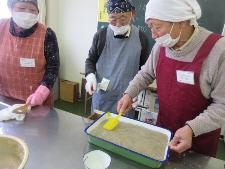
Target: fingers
182 140
35 100
29 99
124 104
174 141
32 102
94 86
90 92
119 105
89 87
125 108
179 147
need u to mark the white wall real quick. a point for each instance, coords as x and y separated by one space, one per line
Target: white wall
76 27
4 12
52 14
52 22
74 22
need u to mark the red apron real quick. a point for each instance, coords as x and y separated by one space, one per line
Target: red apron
180 102
16 81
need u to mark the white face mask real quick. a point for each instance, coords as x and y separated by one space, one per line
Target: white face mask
120 30
25 20
166 40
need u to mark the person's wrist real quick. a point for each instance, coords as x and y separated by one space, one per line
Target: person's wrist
127 94
191 130
42 92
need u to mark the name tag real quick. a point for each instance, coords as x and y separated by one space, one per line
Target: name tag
26 62
104 84
186 77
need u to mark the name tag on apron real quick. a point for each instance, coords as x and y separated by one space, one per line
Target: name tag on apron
186 77
27 62
104 84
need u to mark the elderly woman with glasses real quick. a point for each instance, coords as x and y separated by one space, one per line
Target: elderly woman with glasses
188 63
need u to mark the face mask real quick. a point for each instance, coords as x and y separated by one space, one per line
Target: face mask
166 40
120 30
25 20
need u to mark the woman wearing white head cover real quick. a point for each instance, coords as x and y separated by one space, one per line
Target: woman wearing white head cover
188 63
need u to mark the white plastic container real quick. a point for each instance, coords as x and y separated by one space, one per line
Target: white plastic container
96 159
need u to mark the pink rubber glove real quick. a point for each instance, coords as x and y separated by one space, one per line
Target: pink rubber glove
39 96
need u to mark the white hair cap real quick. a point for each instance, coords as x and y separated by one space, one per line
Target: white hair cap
173 10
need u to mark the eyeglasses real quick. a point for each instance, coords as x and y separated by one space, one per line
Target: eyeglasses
120 19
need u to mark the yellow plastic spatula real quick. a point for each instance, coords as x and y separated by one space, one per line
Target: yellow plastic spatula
112 121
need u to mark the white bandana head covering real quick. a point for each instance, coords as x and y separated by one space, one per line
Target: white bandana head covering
173 10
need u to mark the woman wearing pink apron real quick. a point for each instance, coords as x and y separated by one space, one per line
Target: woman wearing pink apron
29 57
